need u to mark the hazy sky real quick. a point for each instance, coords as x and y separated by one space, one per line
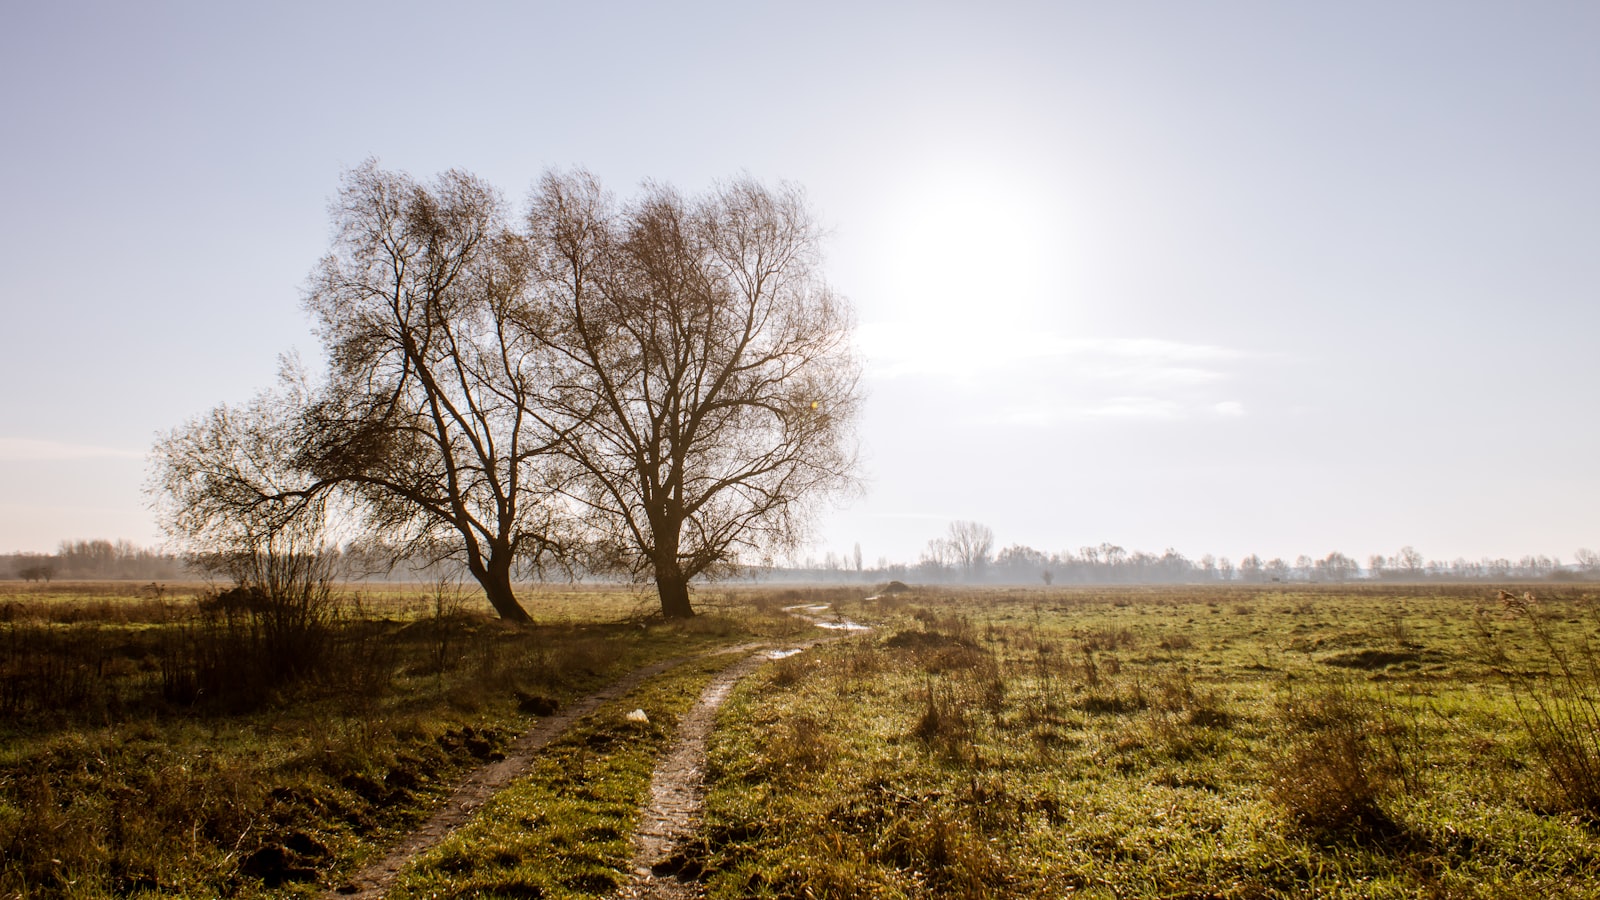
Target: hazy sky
1226 277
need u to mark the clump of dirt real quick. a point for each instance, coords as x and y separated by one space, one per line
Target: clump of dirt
1370 659
277 864
939 651
928 640
537 704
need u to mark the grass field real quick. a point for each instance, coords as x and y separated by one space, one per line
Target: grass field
1174 742
1335 742
143 750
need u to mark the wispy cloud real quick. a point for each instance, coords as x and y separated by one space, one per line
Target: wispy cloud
1110 409
32 450
976 349
1040 378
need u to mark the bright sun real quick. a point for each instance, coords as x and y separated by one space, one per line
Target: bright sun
968 243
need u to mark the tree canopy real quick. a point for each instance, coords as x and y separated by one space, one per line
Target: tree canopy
662 388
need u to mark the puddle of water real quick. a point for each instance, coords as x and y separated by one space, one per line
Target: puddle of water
781 654
842 626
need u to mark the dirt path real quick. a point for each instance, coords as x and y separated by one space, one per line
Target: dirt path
372 881
677 787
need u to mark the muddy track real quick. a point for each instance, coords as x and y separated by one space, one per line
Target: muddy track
677 787
371 882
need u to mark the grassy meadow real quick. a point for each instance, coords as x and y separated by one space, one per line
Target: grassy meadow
152 744
1172 742
1271 741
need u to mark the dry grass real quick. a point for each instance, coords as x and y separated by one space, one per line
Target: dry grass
152 745
1143 743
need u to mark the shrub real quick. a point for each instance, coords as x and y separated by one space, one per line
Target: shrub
1557 697
1331 778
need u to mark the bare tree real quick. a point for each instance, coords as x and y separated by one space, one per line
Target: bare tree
970 545
425 427
225 480
1337 567
1409 562
42 570
708 386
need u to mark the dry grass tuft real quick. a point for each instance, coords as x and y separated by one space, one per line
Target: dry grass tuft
1333 779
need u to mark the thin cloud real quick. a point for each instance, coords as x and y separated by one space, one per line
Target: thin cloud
1040 379
1111 409
32 450
1108 409
976 350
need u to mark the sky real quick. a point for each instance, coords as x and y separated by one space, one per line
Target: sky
1229 278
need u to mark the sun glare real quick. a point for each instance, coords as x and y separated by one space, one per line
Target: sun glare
966 243
972 257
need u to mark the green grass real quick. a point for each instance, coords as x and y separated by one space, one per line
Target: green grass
563 831
112 789
1206 742
1151 743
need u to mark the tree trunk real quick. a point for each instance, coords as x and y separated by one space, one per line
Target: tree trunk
496 581
674 590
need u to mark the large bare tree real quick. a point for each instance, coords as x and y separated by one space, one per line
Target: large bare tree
708 387
668 385
426 424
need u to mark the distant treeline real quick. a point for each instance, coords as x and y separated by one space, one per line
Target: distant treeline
94 561
966 556
100 560
963 557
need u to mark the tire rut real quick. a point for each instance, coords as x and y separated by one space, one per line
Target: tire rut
676 785
677 789
371 881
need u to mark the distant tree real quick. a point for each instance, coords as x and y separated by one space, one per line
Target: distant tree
1113 555
1409 562
37 570
855 557
1375 565
1277 569
1225 569
935 562
705 379
1173 566
1018 563
970 544
1250 568
1587 560
90 559
1337 567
